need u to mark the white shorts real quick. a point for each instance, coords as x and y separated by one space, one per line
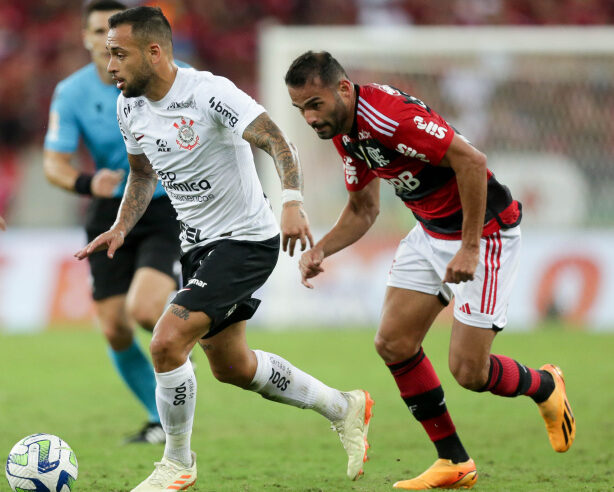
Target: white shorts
420 264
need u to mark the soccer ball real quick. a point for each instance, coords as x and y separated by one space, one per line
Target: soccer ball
41 463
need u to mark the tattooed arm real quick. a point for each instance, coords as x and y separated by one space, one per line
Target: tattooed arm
266 135
137 195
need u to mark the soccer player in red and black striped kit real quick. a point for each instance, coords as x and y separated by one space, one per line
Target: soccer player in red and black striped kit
466 244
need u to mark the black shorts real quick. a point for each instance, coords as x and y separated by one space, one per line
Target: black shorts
154 242
220 278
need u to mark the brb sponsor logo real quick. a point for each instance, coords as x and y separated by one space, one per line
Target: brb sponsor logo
404 182
430 127
407 151
224 110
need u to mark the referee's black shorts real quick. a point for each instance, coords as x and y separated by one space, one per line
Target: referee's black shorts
154 242
220 278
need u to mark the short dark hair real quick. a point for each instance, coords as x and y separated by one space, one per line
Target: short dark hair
311 65
101 6
148 24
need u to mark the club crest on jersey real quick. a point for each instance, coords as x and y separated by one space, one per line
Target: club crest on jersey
186 136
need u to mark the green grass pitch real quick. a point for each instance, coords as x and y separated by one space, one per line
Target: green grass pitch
63 383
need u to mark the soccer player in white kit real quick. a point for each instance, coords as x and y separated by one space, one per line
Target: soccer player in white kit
192 130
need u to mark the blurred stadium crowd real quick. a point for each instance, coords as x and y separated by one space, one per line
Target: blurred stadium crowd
40 44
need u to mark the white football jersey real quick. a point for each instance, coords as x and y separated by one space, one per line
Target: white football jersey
193 140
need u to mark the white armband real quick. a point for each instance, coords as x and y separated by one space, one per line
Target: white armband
291 196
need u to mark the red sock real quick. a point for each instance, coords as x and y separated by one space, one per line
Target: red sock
507 377
423 395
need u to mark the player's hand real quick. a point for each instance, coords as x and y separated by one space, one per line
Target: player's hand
462 267
105 182
111 240
294 225
2 224
310 265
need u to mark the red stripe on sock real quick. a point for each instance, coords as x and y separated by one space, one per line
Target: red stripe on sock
439 427
505 377
506 383
536 379
420 378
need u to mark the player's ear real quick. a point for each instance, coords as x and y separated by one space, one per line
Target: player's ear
344 88
155 52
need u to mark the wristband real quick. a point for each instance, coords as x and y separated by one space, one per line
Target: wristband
291 196
83 184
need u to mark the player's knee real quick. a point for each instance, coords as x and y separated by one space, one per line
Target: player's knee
118 333
165 353
469 375
145 313
392 349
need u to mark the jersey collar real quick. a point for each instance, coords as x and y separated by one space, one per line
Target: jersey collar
354 131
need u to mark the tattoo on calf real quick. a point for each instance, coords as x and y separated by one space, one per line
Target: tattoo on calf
180 311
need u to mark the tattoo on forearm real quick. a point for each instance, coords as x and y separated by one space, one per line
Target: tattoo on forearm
266 135
180 311
138 193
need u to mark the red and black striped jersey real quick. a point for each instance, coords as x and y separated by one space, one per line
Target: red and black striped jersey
400 139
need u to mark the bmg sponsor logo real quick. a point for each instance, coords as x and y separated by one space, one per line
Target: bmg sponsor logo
224 110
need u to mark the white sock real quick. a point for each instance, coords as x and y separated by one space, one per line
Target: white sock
176 401
278 380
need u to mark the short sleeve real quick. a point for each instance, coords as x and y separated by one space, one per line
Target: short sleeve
132 146
230 107
356 172
422 131
63 130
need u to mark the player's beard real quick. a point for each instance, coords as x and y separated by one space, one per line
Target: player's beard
334 124
138 86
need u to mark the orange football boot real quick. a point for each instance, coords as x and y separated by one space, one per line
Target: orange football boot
557 414
443 474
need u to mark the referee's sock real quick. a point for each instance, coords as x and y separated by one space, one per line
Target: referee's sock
422 392
506 377
137 372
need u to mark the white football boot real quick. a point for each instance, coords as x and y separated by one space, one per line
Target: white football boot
169 475
353 429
